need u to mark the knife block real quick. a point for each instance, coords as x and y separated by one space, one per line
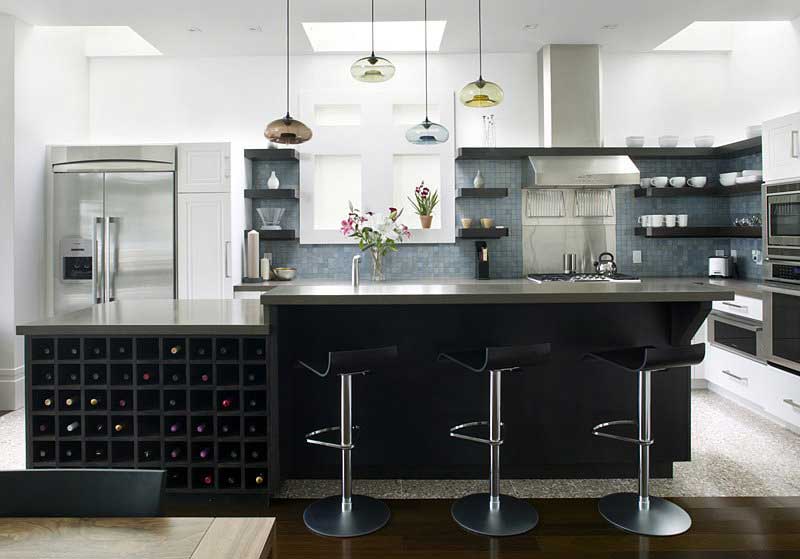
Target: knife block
481 264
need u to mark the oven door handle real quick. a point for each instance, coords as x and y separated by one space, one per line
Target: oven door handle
743 323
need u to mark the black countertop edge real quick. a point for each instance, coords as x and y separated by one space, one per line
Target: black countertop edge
140 330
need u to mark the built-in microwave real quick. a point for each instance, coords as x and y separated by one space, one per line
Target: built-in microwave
782 326
739 335
782 222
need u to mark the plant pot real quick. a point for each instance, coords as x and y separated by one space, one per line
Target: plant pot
425 221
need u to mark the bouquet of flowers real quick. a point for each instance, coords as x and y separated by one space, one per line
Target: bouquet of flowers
377 232
424 202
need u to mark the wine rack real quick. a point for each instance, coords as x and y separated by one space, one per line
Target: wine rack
194 406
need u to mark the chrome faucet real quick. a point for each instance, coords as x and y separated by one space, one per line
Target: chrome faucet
354 276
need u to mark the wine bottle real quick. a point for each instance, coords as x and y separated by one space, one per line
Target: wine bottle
99 427
208 480
69 402
122 403
46 350
231 481
68 453
121 350
200 428
259 351
74 426
172 403
96 350
234 454
252 404
223 350
175 453
204 377
204 453
74 351
174 350
255 455
48 402
227 403
96 377
175 378
146 377
99 453
148 454
94 402
259 479
175 427
251 377
42 454
48 377
119 427
73 378
225 428
251 429
201 351
42 428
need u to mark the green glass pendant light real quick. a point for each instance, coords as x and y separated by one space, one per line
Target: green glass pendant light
480 93
427 132
372 69
287 130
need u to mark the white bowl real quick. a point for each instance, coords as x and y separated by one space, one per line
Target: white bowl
668 141
752 131
634 141
753 173
704 141
747 180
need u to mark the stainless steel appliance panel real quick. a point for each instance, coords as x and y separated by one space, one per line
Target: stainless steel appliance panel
782 314
739 335
782 223
140 234
77 214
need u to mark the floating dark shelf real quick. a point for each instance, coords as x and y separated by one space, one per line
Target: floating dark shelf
736 149
271 154
267 194
708 190
276 235
482 193
705 232
481 233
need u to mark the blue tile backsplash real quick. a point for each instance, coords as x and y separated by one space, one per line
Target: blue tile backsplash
660 257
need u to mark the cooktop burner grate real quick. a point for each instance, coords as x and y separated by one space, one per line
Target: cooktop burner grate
581 278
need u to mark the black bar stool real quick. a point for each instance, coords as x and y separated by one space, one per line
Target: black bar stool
640 513
347 515
493 514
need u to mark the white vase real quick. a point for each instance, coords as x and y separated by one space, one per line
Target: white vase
478 181
273 182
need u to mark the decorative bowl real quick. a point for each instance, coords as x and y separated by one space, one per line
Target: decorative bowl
285 274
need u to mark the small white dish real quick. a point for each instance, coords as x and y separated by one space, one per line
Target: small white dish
728 179
697 182
634 141
703 141
753 173
747 180
668 141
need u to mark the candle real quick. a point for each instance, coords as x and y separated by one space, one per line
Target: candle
252 255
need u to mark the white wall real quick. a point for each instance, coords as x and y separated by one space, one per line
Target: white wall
691 94
45 95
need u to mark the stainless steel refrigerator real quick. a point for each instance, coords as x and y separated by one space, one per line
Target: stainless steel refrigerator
111 224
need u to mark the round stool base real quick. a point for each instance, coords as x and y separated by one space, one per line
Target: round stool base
512 518
663 518
325 517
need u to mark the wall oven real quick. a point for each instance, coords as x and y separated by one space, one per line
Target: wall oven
782 325
739 335
782 221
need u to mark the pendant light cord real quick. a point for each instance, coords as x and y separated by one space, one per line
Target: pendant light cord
426 60
480 43
287 59
372 19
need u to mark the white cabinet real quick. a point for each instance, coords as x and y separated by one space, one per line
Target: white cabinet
204 246
204 167
741 376
781 148
748 307
783 396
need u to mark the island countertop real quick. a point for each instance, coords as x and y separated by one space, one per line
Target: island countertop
157 317
514 291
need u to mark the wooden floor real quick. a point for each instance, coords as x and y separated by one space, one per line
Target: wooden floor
728 527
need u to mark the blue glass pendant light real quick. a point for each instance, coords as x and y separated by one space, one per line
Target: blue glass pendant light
427 132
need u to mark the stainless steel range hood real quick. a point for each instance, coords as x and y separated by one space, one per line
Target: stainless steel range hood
570 115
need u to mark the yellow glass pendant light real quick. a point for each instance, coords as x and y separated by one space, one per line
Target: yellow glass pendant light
480 93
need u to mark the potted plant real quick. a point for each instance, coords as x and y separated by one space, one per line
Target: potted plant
424 202
378 233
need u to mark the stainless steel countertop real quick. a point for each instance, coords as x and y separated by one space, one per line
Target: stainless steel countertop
157 317
745 287
468 291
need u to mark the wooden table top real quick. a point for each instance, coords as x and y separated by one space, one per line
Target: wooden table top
136 538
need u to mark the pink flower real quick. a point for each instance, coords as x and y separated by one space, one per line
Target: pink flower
392 210
405 232
347 226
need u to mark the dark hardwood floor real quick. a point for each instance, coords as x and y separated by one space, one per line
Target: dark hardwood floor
729 527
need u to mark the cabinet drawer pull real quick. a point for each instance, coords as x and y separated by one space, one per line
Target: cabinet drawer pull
795 144
792 403
735 377
735 306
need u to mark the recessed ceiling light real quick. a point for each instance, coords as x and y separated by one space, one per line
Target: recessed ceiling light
530 26
255 29
390 36
194 30
610 26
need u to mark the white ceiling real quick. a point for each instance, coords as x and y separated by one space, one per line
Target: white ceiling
642 24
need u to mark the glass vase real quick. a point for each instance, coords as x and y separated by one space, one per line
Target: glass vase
377 265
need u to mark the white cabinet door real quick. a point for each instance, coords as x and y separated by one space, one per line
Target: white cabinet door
781 137
739 375
783 396
204 246
204 167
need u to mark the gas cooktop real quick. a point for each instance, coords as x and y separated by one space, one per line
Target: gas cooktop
579 278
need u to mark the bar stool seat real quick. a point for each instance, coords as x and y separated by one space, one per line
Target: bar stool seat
640 513
493 514
346 515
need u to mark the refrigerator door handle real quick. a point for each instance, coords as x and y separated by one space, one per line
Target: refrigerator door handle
227 259
113 257
98 269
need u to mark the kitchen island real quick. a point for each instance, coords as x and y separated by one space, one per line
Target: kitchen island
406 410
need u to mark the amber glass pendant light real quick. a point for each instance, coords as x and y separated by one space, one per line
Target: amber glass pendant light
287 130
480 93
372 69
427 132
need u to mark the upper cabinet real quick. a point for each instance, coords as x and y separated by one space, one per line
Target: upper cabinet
204 167
781 137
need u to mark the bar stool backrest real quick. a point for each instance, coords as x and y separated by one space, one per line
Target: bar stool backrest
350 362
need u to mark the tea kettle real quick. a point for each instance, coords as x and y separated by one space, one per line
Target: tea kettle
605 264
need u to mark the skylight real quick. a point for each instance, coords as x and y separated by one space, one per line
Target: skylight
714 36
390 36
109 40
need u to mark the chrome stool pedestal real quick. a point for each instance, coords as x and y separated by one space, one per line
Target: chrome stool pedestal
347 515
641 513
494 514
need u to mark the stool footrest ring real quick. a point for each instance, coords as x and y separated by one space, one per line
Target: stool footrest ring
597 432
337 446
454 432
